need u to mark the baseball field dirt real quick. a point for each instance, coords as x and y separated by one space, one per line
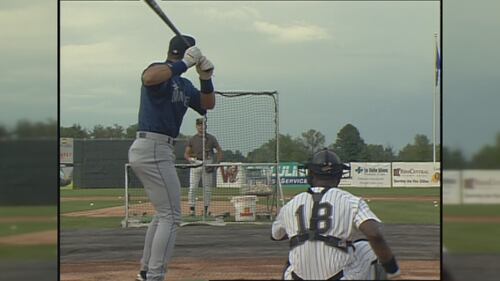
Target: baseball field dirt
224 252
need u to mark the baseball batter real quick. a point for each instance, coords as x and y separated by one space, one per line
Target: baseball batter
165 98
194 154
320 224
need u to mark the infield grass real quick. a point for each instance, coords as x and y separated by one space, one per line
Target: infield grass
406 212
28 211
28 253
471 210
480 238
287 190
391 212
15 228
85 205
363 191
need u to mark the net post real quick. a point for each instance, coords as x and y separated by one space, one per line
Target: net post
125 224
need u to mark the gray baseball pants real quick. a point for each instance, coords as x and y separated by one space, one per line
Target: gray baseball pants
152 159
206 180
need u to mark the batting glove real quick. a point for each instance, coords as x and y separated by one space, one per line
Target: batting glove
205 68
192 56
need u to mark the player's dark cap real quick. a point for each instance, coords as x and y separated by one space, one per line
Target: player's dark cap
325 162
199 121
177 46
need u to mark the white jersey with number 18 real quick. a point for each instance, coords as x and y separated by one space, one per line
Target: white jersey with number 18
339 214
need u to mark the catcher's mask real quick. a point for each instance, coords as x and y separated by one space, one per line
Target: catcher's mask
325 165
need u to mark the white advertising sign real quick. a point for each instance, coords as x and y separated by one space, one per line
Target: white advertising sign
371 174
230 175
66 151
451 187
416 174
345 182
481 186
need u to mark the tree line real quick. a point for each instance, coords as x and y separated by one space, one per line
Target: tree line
349 145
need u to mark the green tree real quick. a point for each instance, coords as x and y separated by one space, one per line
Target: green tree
488 157
379 153
290 150
131 131
101 132
419 151
116 131
230 156
4 133
183 137
313 140
453 159
98 132
75 131
349 145
27 129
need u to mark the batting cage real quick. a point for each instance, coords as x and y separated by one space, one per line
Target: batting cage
244 186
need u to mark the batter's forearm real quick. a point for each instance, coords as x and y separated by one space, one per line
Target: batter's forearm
207 100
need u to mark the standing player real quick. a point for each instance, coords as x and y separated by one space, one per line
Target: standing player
194 154
320 224
165 98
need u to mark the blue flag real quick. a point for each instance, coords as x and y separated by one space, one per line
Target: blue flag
438 65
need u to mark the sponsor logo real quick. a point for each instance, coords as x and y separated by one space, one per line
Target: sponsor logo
436 177
471 183
371 171
230 174
403 172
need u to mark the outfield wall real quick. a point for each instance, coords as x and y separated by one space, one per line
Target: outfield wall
100 163
471 187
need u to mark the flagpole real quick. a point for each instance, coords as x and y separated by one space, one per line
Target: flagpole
434 103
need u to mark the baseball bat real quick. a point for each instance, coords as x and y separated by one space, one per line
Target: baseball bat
153 5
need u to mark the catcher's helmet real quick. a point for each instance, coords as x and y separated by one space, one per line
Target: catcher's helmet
326 165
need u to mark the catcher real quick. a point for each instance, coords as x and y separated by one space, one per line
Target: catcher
320 224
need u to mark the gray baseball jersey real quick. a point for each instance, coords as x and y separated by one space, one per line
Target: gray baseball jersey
196 144
337 214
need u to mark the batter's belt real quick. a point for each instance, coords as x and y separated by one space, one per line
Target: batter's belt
156 137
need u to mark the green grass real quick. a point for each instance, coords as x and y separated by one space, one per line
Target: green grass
287 190
362 191
85 205
390 212
471 210
68 223
28 253
86 192
14 228
471 237
406 212
31 211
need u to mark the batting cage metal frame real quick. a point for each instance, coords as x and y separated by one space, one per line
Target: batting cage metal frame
245 187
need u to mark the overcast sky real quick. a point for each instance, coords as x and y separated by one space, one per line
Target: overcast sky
365 62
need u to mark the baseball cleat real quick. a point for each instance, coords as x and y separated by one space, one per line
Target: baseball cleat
141 276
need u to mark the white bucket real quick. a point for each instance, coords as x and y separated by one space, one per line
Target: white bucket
245 207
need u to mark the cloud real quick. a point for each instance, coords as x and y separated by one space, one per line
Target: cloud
297 32
241 14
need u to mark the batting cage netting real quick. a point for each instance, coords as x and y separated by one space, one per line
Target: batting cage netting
244 186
